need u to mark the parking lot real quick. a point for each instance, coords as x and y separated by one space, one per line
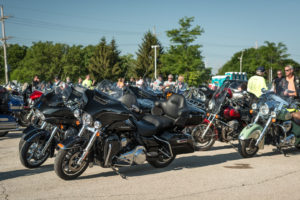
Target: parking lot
220 173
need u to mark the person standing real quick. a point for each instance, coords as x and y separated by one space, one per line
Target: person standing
35 82
169 82
257 82
292 82
278 83
180 85
158 83
87 82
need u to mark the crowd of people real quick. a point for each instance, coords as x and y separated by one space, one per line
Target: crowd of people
157 84
285 86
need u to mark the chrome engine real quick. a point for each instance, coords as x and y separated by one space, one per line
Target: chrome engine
231 131
135 156
288 141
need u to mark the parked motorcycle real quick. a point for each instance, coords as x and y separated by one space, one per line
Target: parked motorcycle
274 125
112 137
226 117
10 107
55 109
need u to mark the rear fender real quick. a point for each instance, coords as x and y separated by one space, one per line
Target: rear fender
68 143
252 131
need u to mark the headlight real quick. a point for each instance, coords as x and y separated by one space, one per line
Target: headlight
273 114
77 113
254 106
97 124
40 115
211 104
87 119
264 109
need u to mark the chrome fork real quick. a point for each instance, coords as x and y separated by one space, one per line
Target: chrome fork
208 126
89 145
49 141
264 131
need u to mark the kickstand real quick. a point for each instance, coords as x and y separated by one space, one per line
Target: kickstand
117 172
282 151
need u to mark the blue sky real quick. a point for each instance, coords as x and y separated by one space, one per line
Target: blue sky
229 25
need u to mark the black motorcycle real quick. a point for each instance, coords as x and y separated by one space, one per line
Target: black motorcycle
112 137
55 109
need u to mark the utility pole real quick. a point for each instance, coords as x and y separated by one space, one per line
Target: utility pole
241 61
3 39
155 64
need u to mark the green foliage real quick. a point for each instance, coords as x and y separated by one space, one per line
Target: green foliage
269 55
184 57
105 62
145 56
128 63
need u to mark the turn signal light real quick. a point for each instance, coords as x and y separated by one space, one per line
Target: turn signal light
217 116
77 122
251 111
207 114
61 126
61 145
98 134
273 120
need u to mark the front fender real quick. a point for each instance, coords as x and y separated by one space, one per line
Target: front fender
32 132
252 131
29 129
69 142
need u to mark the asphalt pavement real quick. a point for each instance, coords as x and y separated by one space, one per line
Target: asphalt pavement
220 173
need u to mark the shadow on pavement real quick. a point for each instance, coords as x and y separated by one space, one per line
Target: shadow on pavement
177 164
25 172
11 135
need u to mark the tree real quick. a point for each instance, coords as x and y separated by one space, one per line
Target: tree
15 54
43 59
128 63
184 57
105 61
145 56
271 56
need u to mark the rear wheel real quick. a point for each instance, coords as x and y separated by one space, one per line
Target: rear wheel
203 144
66 166
2 134
31 155
247 147
164 158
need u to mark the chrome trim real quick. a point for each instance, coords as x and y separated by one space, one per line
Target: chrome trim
88 147
169 145
108 154
49 140
264 131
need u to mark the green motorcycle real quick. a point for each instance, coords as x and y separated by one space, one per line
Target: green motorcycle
273 124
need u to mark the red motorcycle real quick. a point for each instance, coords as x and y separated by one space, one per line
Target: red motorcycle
226 117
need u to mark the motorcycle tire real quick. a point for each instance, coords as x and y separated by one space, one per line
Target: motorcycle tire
160 162
31 147
203 144
63 162
244 145
2 134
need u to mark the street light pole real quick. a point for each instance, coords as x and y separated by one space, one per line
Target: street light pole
155 65
241 61
3 39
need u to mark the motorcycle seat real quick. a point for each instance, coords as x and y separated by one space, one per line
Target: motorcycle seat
175 109
296 117
145 128
160 122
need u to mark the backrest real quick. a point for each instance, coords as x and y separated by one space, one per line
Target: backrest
172 106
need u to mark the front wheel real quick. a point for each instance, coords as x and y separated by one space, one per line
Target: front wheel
65 164
247 147
203 144
31 155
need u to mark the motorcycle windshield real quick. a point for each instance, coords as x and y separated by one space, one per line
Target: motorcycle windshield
110 89
219 97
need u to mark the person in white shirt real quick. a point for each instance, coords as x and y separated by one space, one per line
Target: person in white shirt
140 82
169 82
158 83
